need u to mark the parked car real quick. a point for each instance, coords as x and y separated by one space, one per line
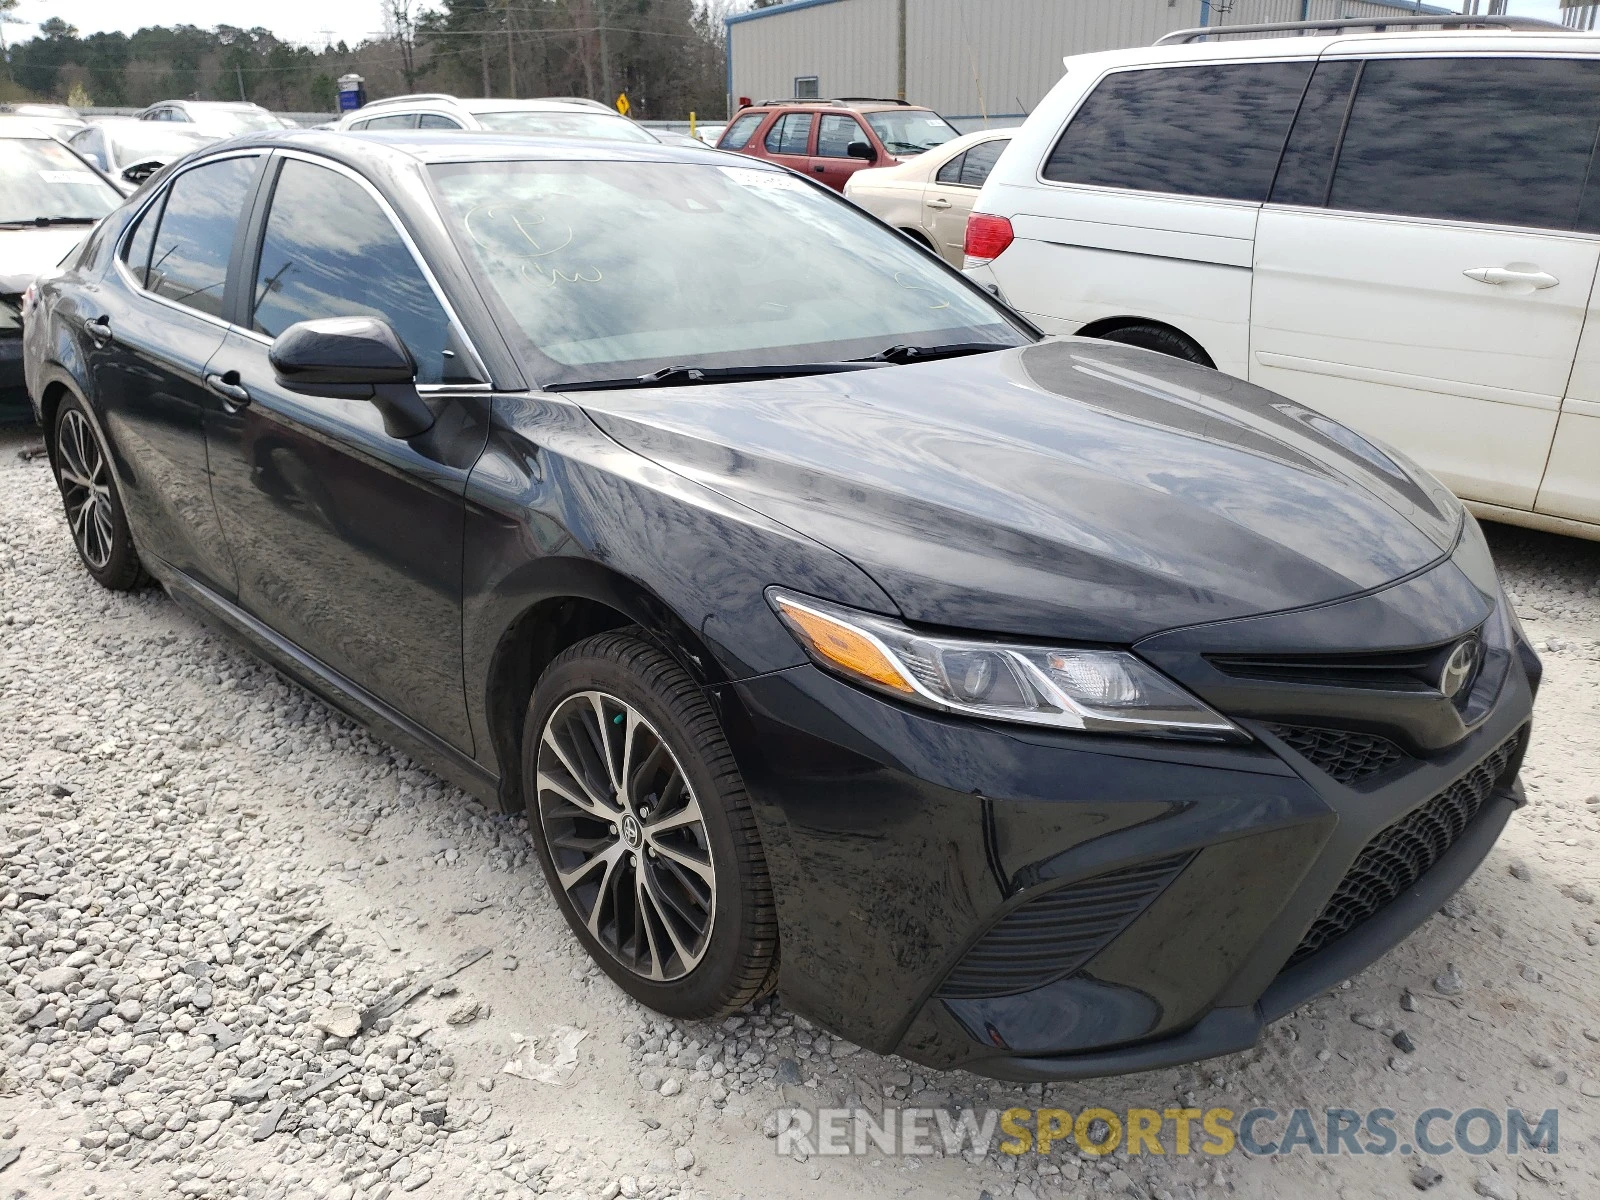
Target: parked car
544 118
49 196
219 118
833 139
1410 248
1057 707
709 134
130 151
57 120
930 197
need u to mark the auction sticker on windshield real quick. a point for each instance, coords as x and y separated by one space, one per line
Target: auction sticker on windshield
756 178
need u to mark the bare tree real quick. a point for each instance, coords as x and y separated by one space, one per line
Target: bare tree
400 24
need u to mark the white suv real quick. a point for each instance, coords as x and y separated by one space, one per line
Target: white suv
544 118
1398 229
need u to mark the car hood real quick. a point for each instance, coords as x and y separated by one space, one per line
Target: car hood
1072 488
27 253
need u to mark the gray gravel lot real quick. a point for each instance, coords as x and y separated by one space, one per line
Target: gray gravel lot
207 877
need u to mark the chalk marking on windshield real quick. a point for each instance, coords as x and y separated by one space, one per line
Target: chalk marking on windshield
524 223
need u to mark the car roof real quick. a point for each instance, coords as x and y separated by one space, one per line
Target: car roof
223 105
20 126
389 147
1552 41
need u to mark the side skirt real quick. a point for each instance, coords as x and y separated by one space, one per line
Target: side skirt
348 697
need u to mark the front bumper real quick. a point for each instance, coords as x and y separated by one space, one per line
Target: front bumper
905 847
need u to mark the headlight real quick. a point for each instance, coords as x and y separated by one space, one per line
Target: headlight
1099 691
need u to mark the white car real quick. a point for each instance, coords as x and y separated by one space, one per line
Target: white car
49 198
929 197
218 118
1400 230
557 118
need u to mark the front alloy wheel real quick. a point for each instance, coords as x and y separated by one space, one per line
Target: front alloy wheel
626 835
645 832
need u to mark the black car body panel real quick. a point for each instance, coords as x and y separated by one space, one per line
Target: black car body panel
1081 489
930 871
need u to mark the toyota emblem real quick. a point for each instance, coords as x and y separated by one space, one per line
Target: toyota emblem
1460 667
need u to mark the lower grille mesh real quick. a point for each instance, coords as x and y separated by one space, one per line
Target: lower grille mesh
1401 854
1348 757
1055 934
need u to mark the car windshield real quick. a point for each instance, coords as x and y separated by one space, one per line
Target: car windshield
228 122
40 178
147 141
565 124
910 131
618 269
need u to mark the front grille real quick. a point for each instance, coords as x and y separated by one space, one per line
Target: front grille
1052 936
1348 757
1400 854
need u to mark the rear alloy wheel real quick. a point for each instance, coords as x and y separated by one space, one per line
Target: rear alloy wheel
645 832
93 507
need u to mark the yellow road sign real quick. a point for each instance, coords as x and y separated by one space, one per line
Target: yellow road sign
623 106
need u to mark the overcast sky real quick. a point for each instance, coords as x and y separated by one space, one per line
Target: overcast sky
313 22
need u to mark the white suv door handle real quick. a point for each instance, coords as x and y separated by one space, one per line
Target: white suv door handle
1501 275
938 202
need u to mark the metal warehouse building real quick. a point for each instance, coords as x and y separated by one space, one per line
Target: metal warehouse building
973 60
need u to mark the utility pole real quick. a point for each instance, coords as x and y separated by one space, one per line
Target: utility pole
239 75
605 54
511 55
900 69
483 53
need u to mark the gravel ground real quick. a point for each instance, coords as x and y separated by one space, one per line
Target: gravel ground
207 877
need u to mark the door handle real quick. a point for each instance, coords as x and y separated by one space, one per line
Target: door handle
819 170
1532 278
228 387
938 202
99 329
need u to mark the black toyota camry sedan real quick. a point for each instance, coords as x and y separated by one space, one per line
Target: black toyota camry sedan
1042 706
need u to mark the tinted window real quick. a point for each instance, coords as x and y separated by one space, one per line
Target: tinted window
951 171
740 132
980 161
190 262
435 121
1500 140
836 133
1308 158
136 250
790 134
1193 131
331 251
396 121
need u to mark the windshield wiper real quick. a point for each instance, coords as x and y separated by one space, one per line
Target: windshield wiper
35 221
678 376
901 354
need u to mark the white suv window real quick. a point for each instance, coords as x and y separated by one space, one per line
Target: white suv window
1193 131
1505 141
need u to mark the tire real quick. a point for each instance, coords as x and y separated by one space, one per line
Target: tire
93 506
1160 339
631 871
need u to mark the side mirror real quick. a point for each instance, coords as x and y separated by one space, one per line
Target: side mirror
353 358
862 150
139 172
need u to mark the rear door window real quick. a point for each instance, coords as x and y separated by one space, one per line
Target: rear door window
740 132
435 121
790 134
951 171
1190 131
189 260
980 160
1504 141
